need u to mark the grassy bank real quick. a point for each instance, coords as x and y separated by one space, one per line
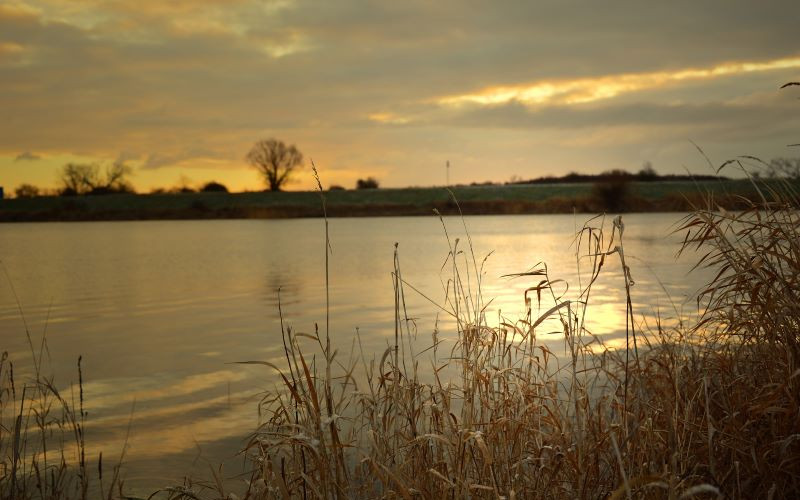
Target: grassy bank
703 409
514 199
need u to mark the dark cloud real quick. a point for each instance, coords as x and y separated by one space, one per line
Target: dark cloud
517 115
159 160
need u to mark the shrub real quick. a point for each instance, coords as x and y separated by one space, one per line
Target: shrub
214 187
26 191
647 173
612 191
368 183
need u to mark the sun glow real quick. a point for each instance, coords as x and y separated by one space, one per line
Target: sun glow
388 118
584 90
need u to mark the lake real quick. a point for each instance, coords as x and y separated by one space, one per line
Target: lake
159 310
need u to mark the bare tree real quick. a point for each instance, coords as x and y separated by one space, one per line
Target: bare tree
26 191
78 178
275 161
117 177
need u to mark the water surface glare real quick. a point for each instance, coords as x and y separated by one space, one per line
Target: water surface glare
160 309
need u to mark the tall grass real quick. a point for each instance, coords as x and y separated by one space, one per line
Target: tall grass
701 410
43 437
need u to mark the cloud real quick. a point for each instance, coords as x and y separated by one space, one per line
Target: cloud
515 114
585 90
18 12
388 118
27 156
359 83
192 157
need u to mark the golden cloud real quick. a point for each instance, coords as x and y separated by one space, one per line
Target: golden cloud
18 12
388 119
584 90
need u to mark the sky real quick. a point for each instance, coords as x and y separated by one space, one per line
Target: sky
180 90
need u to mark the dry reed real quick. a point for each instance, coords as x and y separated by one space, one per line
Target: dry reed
42 436
706 410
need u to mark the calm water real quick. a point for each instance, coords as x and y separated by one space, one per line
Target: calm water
159 310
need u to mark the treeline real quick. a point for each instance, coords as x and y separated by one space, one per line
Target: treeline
788 168
92 179
646 174
80 179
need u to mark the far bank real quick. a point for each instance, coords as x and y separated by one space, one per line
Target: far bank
663 196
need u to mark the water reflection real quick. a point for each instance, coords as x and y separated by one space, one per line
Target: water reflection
281 288
159 309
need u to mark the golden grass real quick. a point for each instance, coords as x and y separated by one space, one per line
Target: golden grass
42 438
706 410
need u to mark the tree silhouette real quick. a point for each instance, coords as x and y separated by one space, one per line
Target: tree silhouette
79 178
275 161
26 191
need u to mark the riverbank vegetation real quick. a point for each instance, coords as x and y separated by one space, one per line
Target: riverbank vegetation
479 408
43 437
618 194
705 409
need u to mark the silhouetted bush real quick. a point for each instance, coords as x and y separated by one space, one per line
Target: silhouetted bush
368 183
336 187
26 191
214 187
612 191
647 173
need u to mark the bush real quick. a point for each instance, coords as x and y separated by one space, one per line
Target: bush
26 191
612 191
368 183
214 187
647 173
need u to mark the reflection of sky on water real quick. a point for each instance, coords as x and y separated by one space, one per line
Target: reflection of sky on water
157 309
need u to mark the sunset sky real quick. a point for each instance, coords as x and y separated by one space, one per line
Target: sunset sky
181 89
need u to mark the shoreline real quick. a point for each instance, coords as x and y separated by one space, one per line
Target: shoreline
640 197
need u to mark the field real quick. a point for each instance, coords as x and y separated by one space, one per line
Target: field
512 199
